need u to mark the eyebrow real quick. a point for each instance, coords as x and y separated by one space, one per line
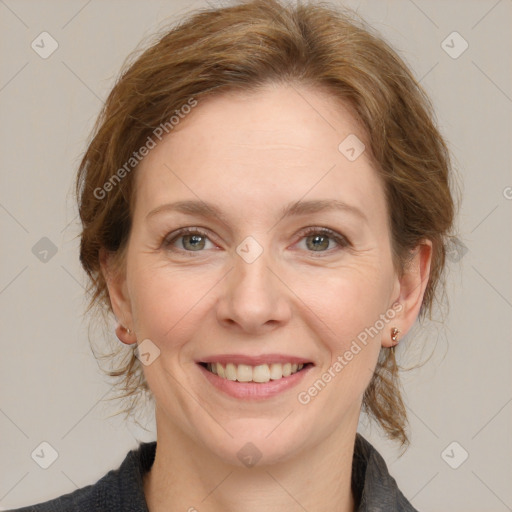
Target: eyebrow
206 210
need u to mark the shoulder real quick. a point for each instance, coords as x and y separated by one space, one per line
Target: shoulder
373 484
120 489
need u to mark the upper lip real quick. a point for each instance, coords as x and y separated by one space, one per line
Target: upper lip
253 360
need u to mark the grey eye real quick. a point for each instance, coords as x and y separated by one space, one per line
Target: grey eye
193 242
318 242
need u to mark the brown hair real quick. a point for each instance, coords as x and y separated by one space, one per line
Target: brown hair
242 47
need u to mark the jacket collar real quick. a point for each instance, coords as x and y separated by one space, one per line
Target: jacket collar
373 487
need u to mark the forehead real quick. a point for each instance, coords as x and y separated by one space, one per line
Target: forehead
251 150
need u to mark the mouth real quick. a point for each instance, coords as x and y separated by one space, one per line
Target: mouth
258 374
253 377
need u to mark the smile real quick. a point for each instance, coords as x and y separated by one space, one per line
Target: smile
246 373
254 377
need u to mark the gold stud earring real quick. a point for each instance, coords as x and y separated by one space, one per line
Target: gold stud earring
394 335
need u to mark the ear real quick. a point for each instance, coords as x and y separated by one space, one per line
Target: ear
119 297
412 287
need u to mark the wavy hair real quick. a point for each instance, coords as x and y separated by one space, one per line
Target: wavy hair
242 47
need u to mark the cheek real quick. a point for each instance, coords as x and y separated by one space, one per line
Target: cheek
167 303
350 309
346 300
349 315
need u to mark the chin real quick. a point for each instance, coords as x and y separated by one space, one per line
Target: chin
257 442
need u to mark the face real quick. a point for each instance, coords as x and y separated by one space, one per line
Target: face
266 284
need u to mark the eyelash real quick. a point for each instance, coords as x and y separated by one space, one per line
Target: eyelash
341 240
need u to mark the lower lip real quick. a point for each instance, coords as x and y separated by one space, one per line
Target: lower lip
254 390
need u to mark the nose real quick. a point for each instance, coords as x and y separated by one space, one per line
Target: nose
254 298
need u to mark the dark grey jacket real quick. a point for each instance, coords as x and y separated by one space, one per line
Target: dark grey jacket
121 490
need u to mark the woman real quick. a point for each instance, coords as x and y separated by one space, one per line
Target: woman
265 207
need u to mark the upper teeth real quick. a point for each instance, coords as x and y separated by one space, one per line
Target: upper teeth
260 373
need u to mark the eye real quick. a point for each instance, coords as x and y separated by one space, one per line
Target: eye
318 239
193 240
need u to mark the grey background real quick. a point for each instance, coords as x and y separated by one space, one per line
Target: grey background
50 385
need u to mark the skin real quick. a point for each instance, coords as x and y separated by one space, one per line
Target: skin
251 154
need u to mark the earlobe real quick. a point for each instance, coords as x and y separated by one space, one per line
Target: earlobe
391 337
125 335
412 289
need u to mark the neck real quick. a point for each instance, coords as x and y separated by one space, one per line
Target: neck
185 476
